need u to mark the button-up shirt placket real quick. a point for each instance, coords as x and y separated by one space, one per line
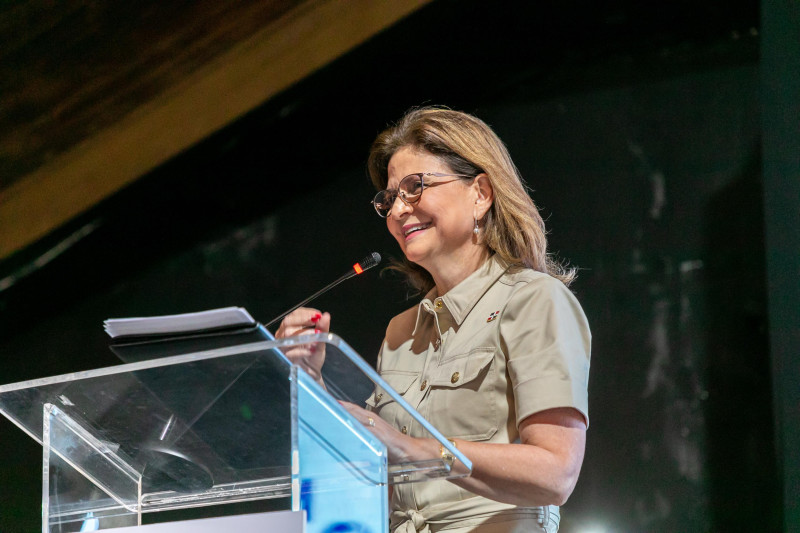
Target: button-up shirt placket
427 320
427 323
440 316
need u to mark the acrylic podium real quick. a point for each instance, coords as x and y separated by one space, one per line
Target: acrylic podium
232 424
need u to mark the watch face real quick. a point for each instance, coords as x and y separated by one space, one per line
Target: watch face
447 457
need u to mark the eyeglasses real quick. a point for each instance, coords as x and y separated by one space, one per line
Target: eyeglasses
409 190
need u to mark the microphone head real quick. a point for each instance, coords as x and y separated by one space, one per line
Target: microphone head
367 263
370 261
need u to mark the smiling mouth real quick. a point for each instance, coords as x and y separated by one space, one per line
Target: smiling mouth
414 229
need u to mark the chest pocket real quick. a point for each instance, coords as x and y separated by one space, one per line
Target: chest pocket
381 403
463 396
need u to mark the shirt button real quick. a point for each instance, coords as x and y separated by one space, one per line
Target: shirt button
424 384
454 377
438 304
378 397
404 430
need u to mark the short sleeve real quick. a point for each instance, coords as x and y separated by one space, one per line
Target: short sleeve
546 337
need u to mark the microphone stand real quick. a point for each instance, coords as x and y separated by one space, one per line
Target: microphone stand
357 269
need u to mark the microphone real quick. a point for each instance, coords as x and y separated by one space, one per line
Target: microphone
359 268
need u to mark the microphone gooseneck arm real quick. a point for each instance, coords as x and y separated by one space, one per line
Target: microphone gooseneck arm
368 262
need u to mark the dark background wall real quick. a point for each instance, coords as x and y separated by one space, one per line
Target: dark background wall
638 129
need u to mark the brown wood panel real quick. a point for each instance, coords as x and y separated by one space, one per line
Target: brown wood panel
70 69
302 40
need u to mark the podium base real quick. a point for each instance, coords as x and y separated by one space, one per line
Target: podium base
283 521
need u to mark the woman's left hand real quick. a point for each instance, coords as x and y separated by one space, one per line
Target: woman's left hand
401 447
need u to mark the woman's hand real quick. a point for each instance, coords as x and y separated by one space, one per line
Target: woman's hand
305 321
400 447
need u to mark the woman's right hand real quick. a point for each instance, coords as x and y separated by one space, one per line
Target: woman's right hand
305 321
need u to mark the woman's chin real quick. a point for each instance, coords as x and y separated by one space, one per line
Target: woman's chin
416 258
413 259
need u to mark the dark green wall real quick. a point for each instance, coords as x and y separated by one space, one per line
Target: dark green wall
780 87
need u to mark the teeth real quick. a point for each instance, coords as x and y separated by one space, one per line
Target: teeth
415 228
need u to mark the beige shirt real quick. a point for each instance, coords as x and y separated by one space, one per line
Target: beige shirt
503 344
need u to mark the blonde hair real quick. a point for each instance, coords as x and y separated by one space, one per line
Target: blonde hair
513 228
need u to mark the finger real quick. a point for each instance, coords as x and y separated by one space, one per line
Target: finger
303 330
365 417
293 331
357 411
299 353
304 316
314 322
324 322
347 405
298 320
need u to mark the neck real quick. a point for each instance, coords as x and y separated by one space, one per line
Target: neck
452 272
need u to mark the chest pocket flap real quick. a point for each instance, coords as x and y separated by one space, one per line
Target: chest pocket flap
462 369
399 380
462 397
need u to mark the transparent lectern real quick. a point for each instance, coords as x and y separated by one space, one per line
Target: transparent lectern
231 424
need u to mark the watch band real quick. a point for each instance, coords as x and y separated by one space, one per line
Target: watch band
448 457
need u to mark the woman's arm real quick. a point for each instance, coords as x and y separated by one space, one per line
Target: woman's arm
542 470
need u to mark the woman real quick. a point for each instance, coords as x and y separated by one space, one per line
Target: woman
496 355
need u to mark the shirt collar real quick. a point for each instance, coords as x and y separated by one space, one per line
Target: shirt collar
460 300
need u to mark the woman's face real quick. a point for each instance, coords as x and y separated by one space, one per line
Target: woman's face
437 230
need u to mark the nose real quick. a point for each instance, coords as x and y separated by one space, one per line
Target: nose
400 207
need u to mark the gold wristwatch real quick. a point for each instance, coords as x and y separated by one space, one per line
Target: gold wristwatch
448 457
